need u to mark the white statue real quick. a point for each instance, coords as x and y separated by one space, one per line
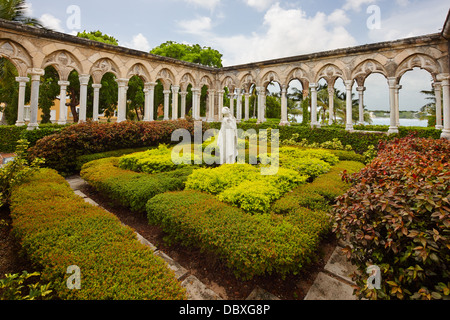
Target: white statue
227 140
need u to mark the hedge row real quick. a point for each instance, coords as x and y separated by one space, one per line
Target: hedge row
61 150
318 194
11 134
250 245
129 188
58 229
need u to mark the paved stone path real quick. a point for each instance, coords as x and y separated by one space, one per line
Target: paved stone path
333 283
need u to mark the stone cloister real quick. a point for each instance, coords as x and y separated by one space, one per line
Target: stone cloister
31 50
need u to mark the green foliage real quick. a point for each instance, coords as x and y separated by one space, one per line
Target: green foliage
190 53
61 150
15 10
57 228
250 245
396 215
12 287
243 185
16 171
370 154
98 36
319 194
128 188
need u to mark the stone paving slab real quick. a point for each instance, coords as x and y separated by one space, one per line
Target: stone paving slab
196 290
144 241
339 265
180 272
76 182
260 294
328 288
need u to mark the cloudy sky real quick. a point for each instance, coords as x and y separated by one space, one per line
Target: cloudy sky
253 30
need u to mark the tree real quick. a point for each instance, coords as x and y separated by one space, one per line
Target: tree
98 36
15 10
189 53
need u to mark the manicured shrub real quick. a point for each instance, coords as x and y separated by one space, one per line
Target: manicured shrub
396 216
250 245
128 188
81 160
58 229
320 193
61 150
243 185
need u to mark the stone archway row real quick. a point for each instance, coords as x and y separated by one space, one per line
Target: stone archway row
31 50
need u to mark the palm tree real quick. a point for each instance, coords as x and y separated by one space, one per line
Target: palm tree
15 10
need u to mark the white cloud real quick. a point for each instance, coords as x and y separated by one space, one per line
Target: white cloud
356 5
199 26
403 3
207 4
51 22
259 5
139 42
425 18
288 32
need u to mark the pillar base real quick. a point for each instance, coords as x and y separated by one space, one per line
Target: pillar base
315 125
33 126
393 130
20 124
285 123
349 127
439 127
62 123
445 134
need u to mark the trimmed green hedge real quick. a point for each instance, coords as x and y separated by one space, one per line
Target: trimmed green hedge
129 188
320 193
250 245
11 134
58 229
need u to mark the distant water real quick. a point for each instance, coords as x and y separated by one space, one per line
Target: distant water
386 121
403 122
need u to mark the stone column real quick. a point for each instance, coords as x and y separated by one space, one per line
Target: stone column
284 110
149 104
445 83
349 105
330 105
247 106
313 88
220 96
361 104
62 102
21 103
196 104
175 90
397 105
34 103
96 87
392 82
166 104
259 104
238 105
211 94
84 80
232 102
263 105
183 95
122 100
437 94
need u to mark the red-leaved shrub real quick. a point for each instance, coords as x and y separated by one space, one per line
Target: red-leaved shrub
396 216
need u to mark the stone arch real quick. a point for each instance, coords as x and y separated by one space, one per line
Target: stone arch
330 72
418 60
229 83
298 74
64 62
186 80
138 69
103 66
366 68
246 82
206 81
17 54
166 77
269 77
